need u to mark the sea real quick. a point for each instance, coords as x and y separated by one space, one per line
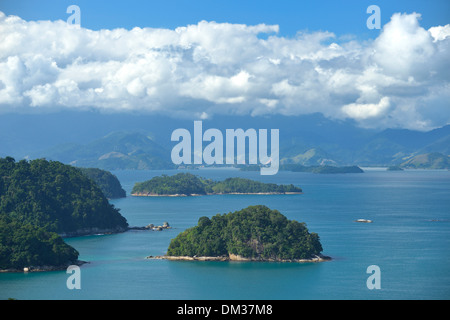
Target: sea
408 242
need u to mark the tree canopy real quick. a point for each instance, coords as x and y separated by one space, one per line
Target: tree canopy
188 184
40 199
108 183
23 245
240 185
54 196
254 232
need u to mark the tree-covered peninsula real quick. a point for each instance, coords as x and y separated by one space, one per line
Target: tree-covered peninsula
189 184
56 197
40 201
255 233
24 245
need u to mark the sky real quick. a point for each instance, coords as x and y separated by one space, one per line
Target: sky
205 58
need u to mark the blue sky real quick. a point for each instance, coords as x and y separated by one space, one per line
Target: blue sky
341 17
205 58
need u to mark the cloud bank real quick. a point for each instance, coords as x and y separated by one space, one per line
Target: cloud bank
399 79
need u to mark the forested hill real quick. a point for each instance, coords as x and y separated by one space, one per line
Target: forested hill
255 232
189 184
55 196
24 245
108 183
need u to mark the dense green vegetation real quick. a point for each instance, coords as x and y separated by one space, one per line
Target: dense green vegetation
54 196
108 183
181 183
24 245
240 185
254 232
188 184
40 199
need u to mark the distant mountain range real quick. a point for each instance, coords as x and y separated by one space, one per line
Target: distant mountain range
128 141
388 147
118 150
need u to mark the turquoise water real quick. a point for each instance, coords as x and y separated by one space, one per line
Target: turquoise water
409 240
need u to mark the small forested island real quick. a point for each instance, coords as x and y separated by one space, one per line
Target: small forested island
255 233
313 169
320 169
187 184
108 183
42 201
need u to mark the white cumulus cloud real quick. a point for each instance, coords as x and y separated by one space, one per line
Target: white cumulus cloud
399 79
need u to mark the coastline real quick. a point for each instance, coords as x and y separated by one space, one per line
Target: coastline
142 194
97 231
92 231
232 257
44 268
82 233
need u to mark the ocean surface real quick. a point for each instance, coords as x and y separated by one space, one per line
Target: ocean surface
409 240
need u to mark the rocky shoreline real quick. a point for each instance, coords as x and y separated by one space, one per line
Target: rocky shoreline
44 268
151 226
98 231
91 231
232 257
144 194
80 233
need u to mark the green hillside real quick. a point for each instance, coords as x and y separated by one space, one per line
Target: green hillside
24 245
433 160
55 196
41 200
189 184
255 232
108 183
116 151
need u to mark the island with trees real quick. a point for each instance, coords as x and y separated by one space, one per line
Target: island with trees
255 233
320 169
187 184
294 167
42 201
